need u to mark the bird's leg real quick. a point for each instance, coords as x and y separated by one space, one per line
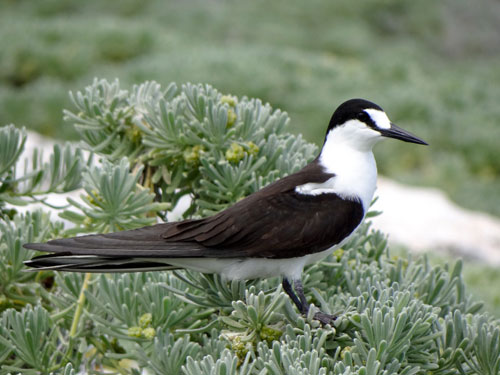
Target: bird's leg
301 302
299 289
287 287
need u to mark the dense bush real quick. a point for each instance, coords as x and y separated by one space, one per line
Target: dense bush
431 65
149 146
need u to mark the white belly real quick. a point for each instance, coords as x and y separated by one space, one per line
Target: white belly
252 268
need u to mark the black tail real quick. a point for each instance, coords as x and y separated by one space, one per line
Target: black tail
142 249
94 263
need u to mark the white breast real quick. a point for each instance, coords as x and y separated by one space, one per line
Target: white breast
355 174
355 177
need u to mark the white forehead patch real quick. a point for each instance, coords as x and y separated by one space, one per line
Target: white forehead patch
379 118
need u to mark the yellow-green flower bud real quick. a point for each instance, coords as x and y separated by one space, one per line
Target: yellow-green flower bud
270 334
134 331
149 333
95 197
145 320
235 153
133 133
231 118
345 350
252 149
338 254
228 99
404 262
191 155
240 348
87 222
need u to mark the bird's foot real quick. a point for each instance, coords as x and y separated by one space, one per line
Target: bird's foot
324 318
301 302
312 312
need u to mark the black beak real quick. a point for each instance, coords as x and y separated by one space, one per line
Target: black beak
401 134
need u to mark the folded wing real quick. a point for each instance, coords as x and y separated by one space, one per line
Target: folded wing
276 222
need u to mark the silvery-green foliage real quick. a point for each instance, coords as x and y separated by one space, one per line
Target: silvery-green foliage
19 287
103 115
67 292
303 353
256 317
122 300
192 140
397 327
167 354
209 290
211 343
227 364
5 346
31 181
31 336
487 336
114 200
212 291
68 370
12 142
395 315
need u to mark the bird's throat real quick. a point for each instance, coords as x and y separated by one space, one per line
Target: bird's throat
355 173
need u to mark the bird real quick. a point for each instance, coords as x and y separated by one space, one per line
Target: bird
276 231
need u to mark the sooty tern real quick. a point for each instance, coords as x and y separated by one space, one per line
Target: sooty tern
275 231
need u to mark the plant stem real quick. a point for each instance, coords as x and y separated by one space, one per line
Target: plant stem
79 305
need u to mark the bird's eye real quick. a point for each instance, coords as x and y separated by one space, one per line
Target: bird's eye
363 116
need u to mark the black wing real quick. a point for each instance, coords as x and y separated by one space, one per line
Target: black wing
275 222
281 225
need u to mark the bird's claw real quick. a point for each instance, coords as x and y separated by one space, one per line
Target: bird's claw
324 318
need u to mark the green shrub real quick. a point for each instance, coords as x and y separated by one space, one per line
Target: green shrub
396 315
429 64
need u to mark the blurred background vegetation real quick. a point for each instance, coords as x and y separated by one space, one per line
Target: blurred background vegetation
433 66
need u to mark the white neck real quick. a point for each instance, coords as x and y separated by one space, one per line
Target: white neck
347 153
349 156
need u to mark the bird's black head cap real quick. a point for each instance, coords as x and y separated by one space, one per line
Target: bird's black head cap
353 109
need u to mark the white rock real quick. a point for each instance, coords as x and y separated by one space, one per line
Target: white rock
425 219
